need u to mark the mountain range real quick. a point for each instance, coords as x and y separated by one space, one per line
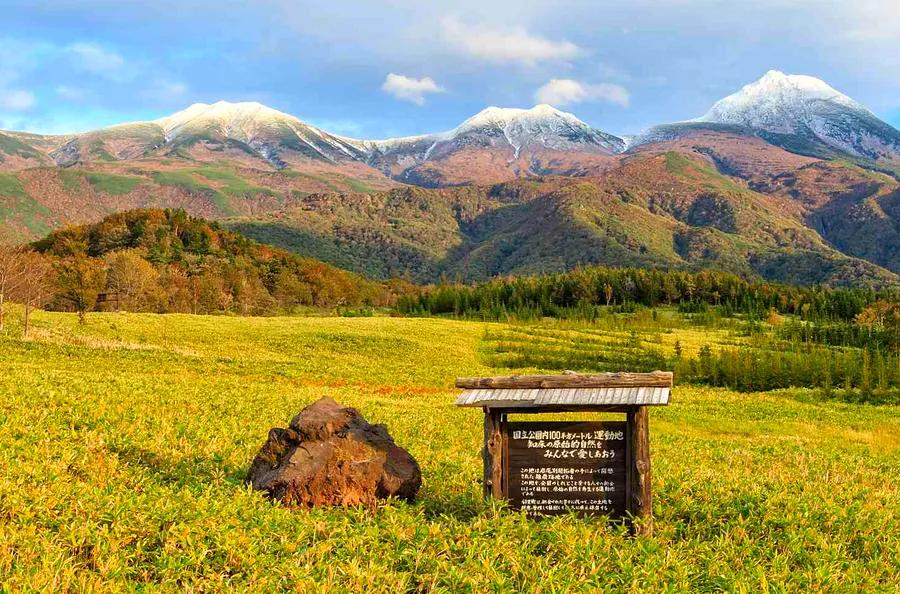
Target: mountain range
787 178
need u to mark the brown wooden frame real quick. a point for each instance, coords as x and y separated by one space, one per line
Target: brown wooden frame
637 491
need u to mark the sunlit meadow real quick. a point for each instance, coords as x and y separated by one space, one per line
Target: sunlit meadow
124 443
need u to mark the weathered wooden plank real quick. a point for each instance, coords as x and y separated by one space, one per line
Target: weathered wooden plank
531 409
493 453
495 444
504 434
641 504
653 379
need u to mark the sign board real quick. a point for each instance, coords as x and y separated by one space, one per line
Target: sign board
555 467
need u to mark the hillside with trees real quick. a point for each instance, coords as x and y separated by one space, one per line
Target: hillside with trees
167 261
671 210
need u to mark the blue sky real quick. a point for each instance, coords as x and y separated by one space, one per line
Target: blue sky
394 67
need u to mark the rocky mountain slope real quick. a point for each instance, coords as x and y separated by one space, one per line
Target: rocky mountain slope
516 142
773 214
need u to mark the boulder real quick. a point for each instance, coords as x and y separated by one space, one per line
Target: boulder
330 455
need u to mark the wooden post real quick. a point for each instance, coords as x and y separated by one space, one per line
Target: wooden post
493 454
641 504
486 452
497 490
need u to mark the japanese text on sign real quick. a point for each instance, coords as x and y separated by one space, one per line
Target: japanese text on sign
558 466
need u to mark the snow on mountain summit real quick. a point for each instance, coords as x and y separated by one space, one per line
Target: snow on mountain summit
801 113
779 103
265 130
223 109
542 115
236 119
541 125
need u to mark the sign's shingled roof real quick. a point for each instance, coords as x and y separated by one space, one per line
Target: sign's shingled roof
538 397
614 390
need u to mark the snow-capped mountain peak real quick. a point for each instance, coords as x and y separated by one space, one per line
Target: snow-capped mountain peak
541 125
265 130
801 112
539 115
778 103
775 81
224 114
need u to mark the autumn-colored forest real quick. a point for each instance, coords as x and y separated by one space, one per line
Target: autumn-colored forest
164 261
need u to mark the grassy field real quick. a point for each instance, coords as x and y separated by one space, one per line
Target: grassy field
124 442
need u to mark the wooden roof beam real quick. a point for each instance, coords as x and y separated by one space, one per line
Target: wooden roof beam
654 379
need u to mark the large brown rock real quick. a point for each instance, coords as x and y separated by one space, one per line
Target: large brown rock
330 455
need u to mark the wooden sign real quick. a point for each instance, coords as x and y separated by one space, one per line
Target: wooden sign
555 467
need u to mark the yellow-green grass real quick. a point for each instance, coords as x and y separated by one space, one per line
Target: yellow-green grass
123 445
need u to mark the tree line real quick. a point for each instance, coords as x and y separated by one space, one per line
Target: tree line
579 294
163 260
855 375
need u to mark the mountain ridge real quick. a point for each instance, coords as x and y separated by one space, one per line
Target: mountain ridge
664 210
803 108
799 113
514 190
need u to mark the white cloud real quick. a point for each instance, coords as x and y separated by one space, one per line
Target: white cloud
563 91
504 46
16 100
96 59
410 89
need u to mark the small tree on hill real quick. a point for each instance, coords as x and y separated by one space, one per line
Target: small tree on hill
36 288
11 274
882 315
79 282
129 277
608 293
